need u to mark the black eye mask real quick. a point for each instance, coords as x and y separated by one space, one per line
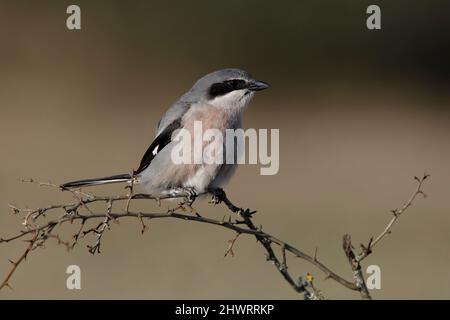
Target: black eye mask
221 88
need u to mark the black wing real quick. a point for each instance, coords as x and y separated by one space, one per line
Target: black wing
162 140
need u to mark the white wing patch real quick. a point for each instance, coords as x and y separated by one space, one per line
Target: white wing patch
155 151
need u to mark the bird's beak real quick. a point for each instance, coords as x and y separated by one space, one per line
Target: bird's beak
256 85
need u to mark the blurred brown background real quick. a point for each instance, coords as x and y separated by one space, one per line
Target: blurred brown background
360 113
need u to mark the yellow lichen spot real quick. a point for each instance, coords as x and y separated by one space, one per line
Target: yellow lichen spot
309 277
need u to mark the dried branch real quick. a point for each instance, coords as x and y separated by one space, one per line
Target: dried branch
356 267
15 264
37 224
231 243
367 250
355 259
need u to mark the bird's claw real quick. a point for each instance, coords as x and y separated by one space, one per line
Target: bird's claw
247 213
190 197
188 200
218 195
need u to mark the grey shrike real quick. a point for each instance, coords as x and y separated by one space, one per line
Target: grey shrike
217 100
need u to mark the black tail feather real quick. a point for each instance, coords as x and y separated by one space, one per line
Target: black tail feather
97 181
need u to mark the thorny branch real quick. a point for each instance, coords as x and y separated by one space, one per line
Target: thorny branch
355 259
36 224
15 264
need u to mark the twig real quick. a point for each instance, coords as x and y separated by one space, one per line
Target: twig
242 225
355 259
144 226
356 267
367 250
130 187
15 264
99 231
231 243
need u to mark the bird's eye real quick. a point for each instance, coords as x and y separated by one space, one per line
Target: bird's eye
237 84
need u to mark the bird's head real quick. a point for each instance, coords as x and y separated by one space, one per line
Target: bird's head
227 88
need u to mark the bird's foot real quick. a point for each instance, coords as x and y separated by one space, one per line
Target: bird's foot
190 197
218 195
247 213
188 200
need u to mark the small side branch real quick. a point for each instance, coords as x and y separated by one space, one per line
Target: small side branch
15 264
367 249
356 259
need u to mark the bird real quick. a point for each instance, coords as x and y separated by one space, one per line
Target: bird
218 101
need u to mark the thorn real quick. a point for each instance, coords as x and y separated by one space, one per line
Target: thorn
9 286
14 209
12 262
422 193
370 242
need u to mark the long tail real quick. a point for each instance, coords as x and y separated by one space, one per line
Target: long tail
97 181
